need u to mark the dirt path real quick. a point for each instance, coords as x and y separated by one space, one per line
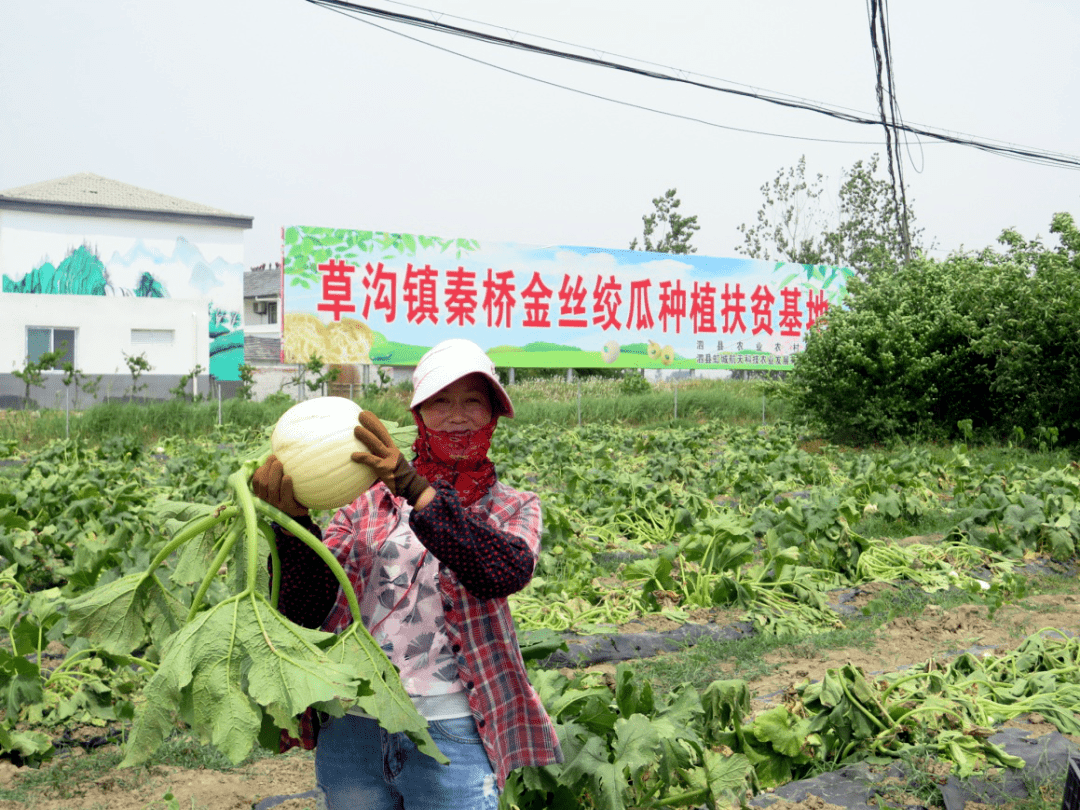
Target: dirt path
289 774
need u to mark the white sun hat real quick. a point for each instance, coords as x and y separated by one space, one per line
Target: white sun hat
448 362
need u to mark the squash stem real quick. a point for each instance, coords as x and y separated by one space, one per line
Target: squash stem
226 547
286 522
198 526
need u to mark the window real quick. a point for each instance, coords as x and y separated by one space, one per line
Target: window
143 336
41 339
271 311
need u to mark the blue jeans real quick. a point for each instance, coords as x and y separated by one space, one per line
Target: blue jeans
360 766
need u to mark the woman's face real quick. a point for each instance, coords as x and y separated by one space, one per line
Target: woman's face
462 405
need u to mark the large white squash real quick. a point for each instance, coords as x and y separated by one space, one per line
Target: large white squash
314 441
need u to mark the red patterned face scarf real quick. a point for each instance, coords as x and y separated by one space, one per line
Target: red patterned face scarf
456 457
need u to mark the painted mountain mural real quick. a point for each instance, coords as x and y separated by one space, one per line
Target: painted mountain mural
146 272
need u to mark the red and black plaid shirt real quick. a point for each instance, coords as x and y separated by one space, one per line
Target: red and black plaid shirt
486 552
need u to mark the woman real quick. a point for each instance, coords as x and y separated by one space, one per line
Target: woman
432 550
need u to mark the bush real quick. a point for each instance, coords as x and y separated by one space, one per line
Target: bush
993 338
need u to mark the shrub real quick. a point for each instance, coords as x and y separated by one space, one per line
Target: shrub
992 337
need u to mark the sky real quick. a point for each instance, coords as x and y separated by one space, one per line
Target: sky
297 115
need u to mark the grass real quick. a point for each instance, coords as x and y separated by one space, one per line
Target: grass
539 401
938 521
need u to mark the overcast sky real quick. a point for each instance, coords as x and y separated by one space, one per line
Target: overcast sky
293 114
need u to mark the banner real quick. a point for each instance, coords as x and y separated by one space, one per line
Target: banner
359 297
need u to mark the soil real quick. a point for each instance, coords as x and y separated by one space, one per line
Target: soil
241 789
901 642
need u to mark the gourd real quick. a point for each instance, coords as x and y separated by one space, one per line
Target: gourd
314 442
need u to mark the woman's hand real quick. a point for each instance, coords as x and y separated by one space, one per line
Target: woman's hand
269 483
386 460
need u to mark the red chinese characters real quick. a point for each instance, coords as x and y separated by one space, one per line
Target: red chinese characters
537 298
336 287
606 301
460 296
672 304
382 292
455 296
816 306
420 294
572 306
640 314
703 307
499 297
761 303
790 314
733 308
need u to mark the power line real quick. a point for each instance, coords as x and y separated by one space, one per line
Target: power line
610 54
879 23
1028 154
597 96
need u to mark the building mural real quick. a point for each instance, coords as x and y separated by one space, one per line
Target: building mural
129 265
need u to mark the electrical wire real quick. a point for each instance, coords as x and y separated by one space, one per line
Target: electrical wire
683 71
1013 151
890 114
596 96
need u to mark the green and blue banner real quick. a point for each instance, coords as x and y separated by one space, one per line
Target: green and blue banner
353 296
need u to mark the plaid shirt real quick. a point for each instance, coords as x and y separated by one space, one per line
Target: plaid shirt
486 552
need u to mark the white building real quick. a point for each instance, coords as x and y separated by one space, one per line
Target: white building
113 277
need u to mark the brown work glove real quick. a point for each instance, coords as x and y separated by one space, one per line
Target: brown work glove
386 460
270 484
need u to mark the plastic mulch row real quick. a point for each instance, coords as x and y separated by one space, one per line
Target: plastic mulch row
1071 799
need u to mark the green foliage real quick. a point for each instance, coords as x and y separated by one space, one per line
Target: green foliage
307 247
634 383
626 747
32 374
797 223
237 671
944 711
315 375
675 230
83 382
247 382
143 548
137 365
180 391
981 344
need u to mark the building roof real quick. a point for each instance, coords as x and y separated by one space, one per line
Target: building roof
91 195
262 283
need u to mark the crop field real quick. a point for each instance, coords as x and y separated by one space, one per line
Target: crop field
139 626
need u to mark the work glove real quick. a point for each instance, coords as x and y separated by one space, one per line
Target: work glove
386 460
270 484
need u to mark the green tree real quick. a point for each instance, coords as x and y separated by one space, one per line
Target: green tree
797 223
989 339
670 229
32 374
316 375
138 365
247 382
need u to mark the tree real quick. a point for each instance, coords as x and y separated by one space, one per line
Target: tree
674 229
795 224
987 339
32 374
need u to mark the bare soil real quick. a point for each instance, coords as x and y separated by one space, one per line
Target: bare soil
241 789
903 641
